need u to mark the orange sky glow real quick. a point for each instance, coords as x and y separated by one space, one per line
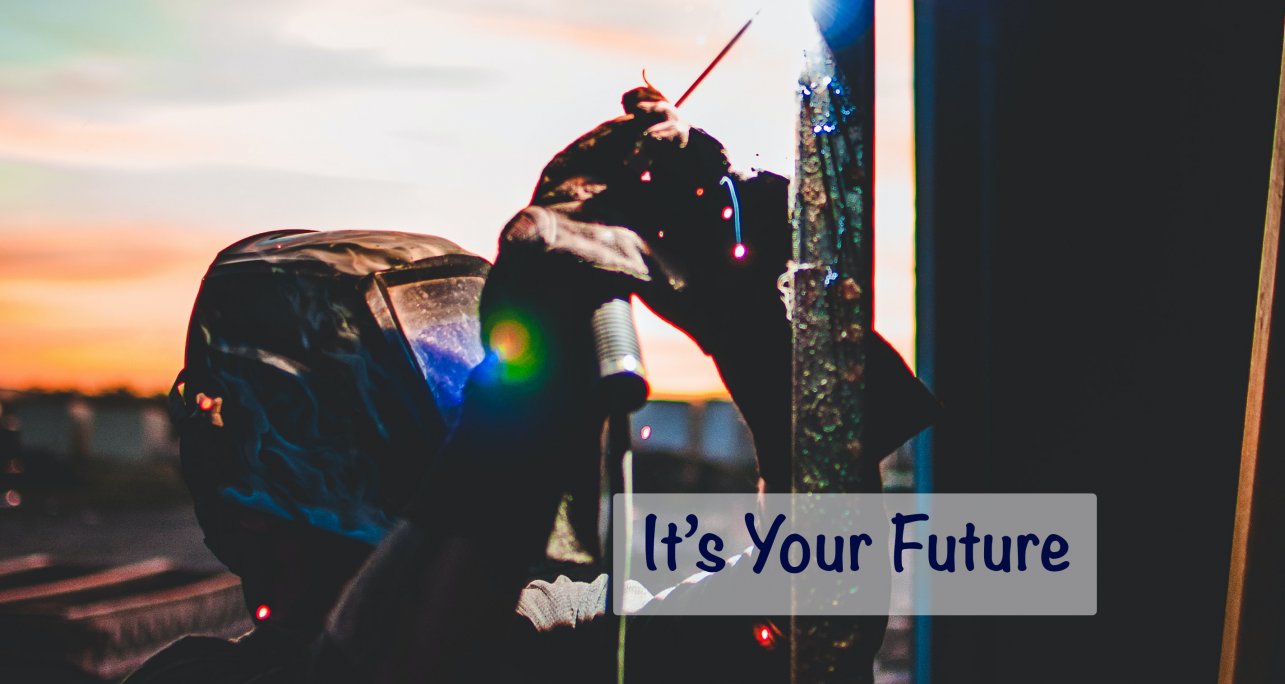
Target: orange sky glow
137 139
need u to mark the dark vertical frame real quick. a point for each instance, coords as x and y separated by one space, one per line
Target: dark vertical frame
1090 226
925 83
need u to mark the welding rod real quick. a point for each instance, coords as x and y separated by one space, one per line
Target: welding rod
722 53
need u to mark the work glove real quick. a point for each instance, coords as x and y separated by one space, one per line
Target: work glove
716 243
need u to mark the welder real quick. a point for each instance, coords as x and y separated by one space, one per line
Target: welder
379 431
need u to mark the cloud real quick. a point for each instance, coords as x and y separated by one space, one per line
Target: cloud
37 137
108 59
197 198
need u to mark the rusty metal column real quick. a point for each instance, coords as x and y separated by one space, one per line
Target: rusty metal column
831 312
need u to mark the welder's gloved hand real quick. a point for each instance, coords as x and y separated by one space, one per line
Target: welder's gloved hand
608 154
717 242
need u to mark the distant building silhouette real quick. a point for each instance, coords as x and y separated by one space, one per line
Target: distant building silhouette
66 427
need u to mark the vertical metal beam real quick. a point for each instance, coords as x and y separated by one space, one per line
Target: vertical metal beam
1252 624
831 312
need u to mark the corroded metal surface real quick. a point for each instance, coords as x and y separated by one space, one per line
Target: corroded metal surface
831 314
831 284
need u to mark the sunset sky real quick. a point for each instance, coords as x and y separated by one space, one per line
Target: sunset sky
137 138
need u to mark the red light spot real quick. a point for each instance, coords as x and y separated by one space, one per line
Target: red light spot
206 403
727 213
12 498
645 432
738 252
660 235
700 192
765 635
262 612
645 177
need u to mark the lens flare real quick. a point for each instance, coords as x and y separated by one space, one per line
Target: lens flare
516 345
263 612
645 177
510 340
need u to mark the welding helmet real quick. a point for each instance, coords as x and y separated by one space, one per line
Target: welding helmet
323 371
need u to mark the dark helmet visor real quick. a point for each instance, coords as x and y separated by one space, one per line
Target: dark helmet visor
339 360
